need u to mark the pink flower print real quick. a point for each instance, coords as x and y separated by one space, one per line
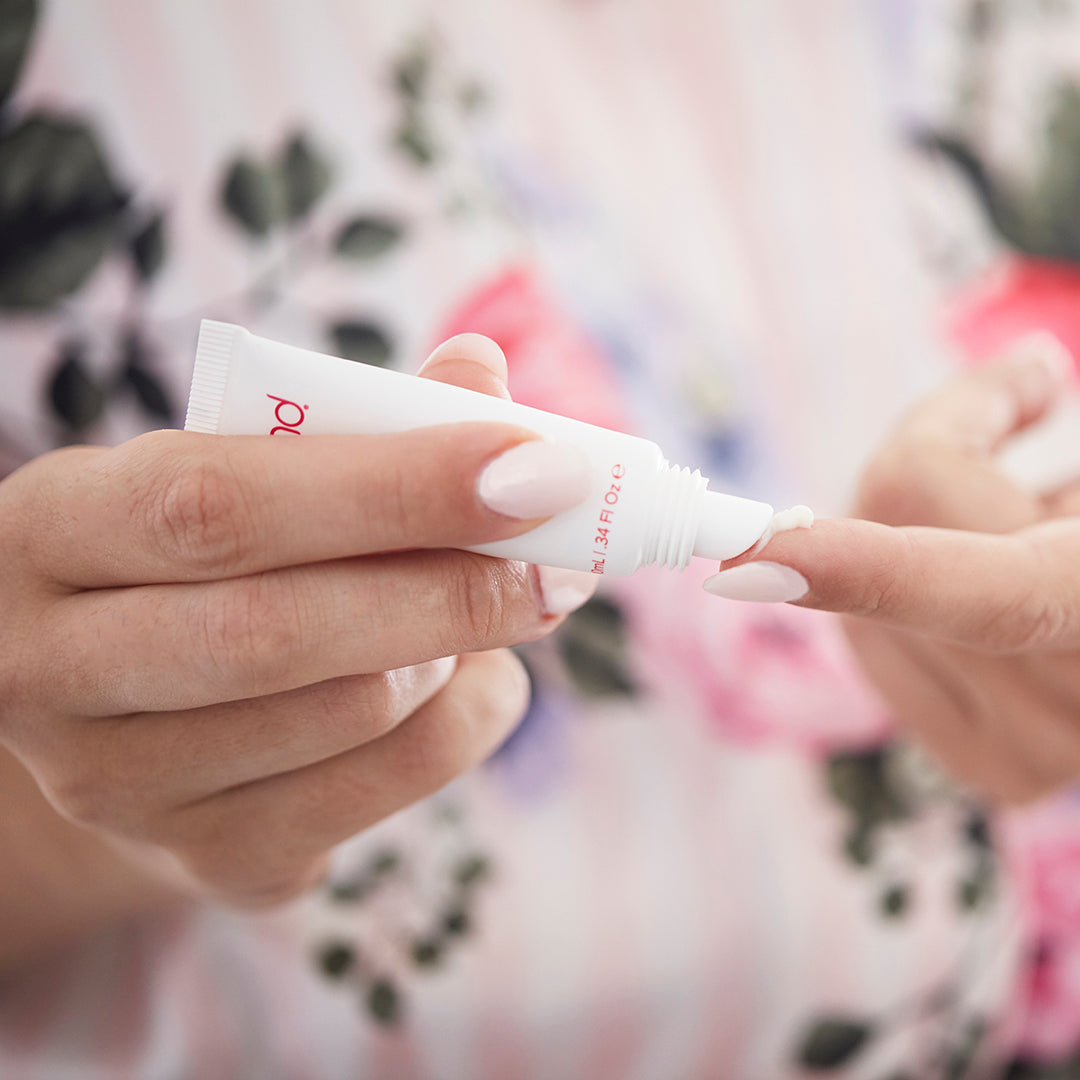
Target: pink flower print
1042 845
553 364
757 673
1020 296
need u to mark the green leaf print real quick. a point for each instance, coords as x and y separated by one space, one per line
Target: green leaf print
254 196
592 643
17 19
74 396
60 209
148 249
367 237
362 341
306 176
833 1042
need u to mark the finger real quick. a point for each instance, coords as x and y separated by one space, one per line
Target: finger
938 467
186 646
979 409
180 506
1063 502
477 362
469 360
997 593
115 772
280 824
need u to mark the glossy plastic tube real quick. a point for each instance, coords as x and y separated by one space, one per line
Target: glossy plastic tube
639 510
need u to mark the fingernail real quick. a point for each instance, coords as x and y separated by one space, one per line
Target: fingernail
1045 350
475 347
442 669
429 677
765 582
563 591
535 479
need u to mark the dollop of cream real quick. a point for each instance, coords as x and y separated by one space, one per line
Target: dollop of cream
795 517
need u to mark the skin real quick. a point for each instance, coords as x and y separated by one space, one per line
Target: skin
221 657
203 694
961 591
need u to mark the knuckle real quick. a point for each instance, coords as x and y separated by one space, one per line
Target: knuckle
1037 614
248 629
196 515
470 723
883 590
485 600
1032 623
375 703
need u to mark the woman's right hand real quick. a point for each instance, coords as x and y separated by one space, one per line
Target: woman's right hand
230 654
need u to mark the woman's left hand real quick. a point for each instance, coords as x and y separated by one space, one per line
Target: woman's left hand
961 593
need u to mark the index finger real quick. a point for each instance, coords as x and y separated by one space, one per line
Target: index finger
177 506
997 593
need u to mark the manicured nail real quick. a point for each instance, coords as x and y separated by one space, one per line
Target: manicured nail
1044 350
563 591
535 479
475 347
766 582
441 670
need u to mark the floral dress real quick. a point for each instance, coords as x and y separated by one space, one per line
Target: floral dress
752 231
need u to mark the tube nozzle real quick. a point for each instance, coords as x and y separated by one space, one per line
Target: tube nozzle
729 525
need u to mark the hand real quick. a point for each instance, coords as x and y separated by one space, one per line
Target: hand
229 654
964 604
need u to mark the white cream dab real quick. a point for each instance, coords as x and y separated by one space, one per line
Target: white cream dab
795 517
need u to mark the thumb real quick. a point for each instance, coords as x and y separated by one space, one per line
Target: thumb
938 466
472 361
996 593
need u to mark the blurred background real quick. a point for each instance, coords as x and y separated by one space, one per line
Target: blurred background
751 230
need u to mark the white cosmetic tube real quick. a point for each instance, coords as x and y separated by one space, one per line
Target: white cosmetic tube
639 510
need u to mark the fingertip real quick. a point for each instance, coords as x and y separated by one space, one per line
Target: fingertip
470 360
499 693
1034 370
477 348
1046 351
519 685
798 542
822 567
430 677
564 591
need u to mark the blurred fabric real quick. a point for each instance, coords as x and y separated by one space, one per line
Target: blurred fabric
751 231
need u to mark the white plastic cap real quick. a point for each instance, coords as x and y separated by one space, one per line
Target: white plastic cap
729 525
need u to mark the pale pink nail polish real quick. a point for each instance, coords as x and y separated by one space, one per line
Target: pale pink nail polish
1044 350
473 347
563 591
764 582
535 479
